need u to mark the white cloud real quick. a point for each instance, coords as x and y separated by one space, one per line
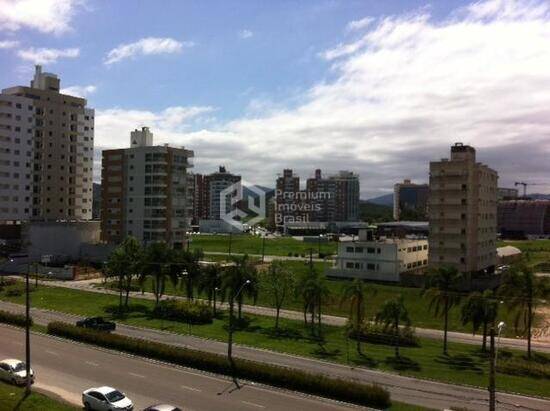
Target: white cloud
146 46
8 44
359 24
245 34
405 90
79 91
47 16
47 56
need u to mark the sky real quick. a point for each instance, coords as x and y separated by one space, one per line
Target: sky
378 87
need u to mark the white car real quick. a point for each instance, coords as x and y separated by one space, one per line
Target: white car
106 399
14 371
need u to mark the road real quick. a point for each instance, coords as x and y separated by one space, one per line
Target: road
405 389
519 344
67 369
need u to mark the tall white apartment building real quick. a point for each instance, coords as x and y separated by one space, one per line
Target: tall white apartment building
46 152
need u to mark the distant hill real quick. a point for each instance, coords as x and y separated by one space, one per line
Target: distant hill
538 196
386 200
374 213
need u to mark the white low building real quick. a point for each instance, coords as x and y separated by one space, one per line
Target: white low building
382 259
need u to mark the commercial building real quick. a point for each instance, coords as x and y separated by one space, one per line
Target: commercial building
410 199
46 152
379 258
463 212
524 218
144 192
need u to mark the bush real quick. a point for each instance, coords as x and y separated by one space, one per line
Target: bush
193 312
342 390
14 319
378 334
522 367
14 291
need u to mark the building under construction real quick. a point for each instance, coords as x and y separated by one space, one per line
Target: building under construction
524 218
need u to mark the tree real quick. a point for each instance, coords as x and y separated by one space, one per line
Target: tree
314 291
236 275
116 267
481 310
354 292
443 294
186 266
133 256
523 291
278 283
209 283
393 313
157 265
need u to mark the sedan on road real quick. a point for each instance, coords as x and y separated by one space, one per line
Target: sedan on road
106 399
14 371
97 323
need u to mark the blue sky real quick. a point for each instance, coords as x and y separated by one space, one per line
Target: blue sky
263 85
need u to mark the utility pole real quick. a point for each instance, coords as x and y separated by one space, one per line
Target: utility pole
230 333
492 366
263 247
27 333
230 239
311 259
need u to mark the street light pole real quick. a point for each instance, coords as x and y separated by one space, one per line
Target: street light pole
230 333
263 247
493 353
27 333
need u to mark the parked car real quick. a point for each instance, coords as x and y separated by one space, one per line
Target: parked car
106 399
14 371
162 407
96 323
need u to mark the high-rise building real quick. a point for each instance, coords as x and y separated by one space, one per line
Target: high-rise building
463 212
215 184
46 155
199 196
411 200
145 192
289 200
334 198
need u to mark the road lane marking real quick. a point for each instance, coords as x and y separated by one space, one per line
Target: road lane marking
253 404
52 353
93 364
136 375
185 387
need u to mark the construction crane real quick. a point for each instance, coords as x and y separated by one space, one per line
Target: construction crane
524 184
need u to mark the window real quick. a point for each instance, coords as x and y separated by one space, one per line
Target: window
349 249
371 250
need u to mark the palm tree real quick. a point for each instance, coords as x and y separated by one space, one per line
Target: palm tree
392 314
209 283
278 283
235 276
157 265
480 309
314 290
443 295
354 292
523 291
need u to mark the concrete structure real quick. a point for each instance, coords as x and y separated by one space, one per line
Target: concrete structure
380 259
334 198
401 229
46 152
411 198
507 193
524 218
508 255
144 192
462 212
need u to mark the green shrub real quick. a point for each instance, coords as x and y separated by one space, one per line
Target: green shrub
14 291
193 312
378 334
14 319
522 367
342 390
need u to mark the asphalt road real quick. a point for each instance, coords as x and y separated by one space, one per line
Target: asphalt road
464 338
405 389
67 369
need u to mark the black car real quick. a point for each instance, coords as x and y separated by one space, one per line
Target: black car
96 323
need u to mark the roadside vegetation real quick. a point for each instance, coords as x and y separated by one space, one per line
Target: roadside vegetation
13 398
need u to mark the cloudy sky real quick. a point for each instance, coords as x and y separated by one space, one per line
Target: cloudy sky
380 87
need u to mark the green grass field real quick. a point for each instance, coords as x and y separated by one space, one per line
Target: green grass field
13 398
465 365
538 251
248 244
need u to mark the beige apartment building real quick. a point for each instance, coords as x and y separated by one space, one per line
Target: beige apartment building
463 212
145 192
47 152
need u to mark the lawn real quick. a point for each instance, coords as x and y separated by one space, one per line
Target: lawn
465 365
417 305
13 398
538 250
249 244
